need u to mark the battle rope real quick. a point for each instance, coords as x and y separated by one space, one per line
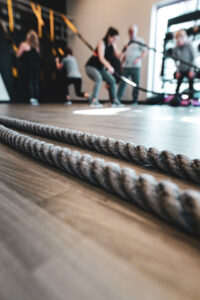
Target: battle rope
163 198
165 161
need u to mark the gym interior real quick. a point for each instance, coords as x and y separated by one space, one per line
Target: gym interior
99 149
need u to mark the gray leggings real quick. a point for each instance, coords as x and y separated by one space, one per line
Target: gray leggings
98 76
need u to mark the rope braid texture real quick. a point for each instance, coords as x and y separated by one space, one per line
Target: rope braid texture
163 198
164 161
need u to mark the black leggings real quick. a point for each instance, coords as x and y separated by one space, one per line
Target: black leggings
180 80
33 82
77 82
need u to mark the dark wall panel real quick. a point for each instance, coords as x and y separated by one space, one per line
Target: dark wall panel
59 5
52 81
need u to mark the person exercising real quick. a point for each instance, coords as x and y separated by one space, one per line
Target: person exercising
131 57
29 52
99 68
73 75
184 51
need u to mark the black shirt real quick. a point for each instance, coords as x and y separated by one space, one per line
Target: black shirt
31 59
108 54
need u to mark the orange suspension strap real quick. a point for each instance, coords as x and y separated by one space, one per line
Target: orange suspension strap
75 30
51 23
10 15
60 50
38 12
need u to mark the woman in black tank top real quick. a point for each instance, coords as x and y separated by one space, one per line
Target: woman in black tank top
29 52
99 66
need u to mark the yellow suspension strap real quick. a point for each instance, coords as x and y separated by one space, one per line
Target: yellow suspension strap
60 50
10 15
11 28
38 12
14 69
14 72
51 23
15 48
54 51
75 30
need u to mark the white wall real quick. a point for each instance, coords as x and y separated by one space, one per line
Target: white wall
4 96
93 17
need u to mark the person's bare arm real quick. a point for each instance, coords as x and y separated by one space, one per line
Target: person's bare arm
22 48
123 54
59 65
143 54
101 52
140 57
116 51
123 58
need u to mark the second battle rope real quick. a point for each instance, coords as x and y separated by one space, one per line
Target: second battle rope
163 198
164 161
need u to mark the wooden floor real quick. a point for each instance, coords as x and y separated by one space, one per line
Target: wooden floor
63 239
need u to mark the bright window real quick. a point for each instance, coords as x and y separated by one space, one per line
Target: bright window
161 13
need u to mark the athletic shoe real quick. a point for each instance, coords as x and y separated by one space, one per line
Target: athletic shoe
33 102
117 103
90 99
134 103
68 103
96 104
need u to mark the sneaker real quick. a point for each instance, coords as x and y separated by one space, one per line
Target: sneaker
117 103
96 104
68 102
90 99
33 102
134 103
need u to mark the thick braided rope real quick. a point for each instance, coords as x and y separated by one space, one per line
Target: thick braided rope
165 161
181 208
